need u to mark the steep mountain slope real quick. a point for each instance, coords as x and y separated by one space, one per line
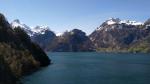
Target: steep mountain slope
41 35
73 41
6 76
18 55
116 35
27 29
142 45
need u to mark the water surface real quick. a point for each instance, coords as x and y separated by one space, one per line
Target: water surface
93 68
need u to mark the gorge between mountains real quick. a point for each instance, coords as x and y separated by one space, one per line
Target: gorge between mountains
22 49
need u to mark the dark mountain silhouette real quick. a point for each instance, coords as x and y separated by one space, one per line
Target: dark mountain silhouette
73 41
18 55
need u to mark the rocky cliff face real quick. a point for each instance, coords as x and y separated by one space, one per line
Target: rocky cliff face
18 54
115 34
43 37
73 41
142 46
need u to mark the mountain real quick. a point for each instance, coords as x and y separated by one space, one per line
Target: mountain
18 54
141 46
75 40
113 35
117 35
41 35
72 41
6 76
147 22
27 29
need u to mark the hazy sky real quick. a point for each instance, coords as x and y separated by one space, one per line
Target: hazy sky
61 15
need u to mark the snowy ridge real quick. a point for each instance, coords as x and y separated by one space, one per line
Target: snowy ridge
40 29
59 34
16 23
30 31
112 21
128 22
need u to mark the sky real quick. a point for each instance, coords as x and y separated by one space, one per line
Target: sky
62 15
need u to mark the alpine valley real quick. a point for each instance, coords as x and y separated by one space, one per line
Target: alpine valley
22 47
113 35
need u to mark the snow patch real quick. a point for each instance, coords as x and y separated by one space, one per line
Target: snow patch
16 23
128 22
40 29
112 21
30 31
59 34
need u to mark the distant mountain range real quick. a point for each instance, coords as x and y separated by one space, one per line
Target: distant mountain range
113 35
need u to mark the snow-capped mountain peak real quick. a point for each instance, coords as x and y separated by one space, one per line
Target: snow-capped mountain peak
129 22
17 23
40 29
112 21
30 31
59 34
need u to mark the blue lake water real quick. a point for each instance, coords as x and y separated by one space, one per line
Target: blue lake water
93 68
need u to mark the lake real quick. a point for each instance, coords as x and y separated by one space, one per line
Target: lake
93 68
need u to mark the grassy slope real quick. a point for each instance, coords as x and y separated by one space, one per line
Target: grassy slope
141 46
